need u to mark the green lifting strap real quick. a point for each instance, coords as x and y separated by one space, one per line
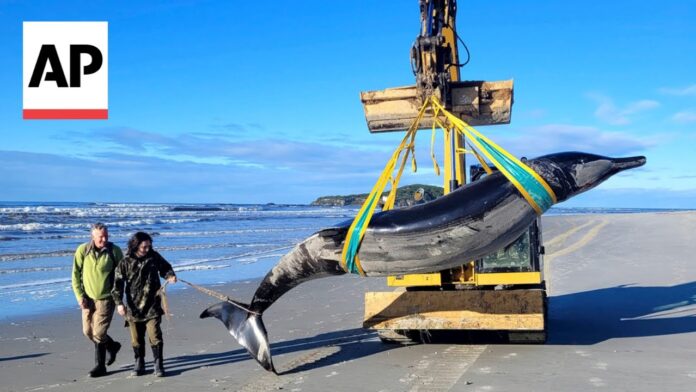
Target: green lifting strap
531 186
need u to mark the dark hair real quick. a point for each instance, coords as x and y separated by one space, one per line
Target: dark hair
135 241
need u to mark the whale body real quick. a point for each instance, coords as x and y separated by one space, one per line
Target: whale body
466 224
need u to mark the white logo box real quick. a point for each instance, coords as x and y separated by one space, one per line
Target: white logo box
49 101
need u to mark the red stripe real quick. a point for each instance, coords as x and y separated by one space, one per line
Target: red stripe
66 114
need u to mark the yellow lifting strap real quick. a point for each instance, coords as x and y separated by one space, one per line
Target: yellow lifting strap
356 232
532 187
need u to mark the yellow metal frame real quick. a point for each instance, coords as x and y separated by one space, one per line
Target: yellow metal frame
484 279
409 280
435 279
467 275
509 310
491 279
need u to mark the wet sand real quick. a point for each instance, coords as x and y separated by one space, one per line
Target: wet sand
622 317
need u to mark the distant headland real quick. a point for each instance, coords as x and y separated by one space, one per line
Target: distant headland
405 196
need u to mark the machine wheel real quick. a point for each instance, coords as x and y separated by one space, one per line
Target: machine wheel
398 336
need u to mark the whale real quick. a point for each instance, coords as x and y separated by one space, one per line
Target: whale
466 224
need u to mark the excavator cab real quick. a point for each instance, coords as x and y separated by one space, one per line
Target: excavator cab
525 254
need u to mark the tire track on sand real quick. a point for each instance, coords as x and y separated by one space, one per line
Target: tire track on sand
273 382
584 240
441 371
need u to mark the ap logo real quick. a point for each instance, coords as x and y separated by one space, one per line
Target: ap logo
65 70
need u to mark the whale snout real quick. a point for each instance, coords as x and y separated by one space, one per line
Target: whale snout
620 164
571 173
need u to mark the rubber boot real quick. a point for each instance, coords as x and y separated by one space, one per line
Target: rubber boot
112 348
99 360
139 366
159 360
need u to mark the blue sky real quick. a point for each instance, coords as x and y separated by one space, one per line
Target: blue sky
254 102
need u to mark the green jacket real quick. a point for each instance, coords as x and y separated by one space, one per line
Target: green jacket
93 271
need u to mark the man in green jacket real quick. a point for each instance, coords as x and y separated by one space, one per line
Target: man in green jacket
92 280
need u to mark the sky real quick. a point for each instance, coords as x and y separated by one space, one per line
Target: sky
257 102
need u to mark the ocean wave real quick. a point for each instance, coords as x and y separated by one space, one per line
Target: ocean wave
194 208
224 232
121 209
34 283
33 210
206 233
266 253
252 260
201 267
211 246
35 255
172 248
188 265
29 227
33 269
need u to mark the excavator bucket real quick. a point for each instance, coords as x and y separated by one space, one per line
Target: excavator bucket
476 102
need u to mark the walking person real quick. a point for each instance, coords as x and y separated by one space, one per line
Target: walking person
92 281
138 276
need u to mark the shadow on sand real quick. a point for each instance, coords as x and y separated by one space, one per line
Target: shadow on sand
346 345
594 316
590 317
2 359
582 318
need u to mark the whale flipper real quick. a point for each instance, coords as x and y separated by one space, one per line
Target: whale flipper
247 328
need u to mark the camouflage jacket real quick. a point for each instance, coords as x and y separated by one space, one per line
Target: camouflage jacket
140 279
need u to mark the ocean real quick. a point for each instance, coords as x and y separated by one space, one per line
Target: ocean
205 243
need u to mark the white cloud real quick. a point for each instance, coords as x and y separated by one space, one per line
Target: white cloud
259 153
685 117
209 167
681 91
608 112
134 177
552 138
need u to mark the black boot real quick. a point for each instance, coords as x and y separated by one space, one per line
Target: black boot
99 360
112 348
159 360
139 366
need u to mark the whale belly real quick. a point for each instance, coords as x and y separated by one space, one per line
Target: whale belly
448 244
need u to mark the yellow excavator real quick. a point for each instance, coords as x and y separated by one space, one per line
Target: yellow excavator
504 291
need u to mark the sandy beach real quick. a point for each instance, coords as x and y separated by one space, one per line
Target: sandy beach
622 317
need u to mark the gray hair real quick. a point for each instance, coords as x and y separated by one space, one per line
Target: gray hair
99 226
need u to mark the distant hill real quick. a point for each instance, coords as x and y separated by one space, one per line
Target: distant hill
404 196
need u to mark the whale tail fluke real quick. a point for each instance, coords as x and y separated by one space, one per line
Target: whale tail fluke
247 328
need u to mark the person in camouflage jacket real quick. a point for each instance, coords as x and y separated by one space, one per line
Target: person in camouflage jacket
138 276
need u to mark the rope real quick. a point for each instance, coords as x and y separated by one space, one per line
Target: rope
162 292
220 296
